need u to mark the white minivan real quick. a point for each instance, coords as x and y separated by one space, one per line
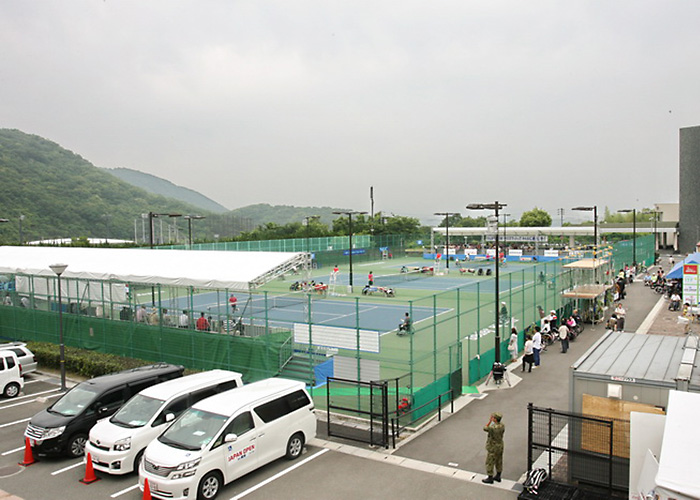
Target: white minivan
11 381
116 444
226 436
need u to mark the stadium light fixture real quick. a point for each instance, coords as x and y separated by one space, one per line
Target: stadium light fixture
447 235
151 216
634 232
59 269
349 213
593 209
496 206
190 218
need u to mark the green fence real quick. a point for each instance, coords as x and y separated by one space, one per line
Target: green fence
453 330
255 357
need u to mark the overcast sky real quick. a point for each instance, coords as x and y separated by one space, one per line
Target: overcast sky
435 104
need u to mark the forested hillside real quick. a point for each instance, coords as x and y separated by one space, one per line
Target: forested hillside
60 194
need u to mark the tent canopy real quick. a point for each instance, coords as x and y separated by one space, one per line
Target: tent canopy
677 271
232 270
680 450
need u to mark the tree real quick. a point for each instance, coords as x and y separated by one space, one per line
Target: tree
536 218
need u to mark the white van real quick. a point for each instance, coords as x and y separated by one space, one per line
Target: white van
226 436
11 381
116 444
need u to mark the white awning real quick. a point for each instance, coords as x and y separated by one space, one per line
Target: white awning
233 270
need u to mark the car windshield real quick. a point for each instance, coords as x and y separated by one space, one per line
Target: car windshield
137 411
193 430
75 401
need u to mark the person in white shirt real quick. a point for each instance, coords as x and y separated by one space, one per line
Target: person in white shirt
184 320
528 358
620 313
675 304
564 337
513 344
537 346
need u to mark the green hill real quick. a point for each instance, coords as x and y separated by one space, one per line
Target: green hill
62 195
163 187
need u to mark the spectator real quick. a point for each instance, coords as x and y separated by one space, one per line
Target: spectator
564 337
537 346
141 314
528 358
202 323
513 344
184 320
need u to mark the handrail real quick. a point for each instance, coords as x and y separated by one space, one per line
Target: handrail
396 428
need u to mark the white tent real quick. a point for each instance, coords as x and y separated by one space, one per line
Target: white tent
677 476
232 270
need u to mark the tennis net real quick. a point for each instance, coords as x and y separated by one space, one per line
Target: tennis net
261 303
396 279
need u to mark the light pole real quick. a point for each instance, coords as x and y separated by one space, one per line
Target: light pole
505 228
189 225
151 216
307 222
495 207
58 269
634 232
350 214
21 235
447 235
593 209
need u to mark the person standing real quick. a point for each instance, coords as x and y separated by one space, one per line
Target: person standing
513 344
494 448
537 346
528 357
370 278
620 313
564 337
141 314
232 301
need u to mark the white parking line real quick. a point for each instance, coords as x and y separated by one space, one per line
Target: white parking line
15 422
35 394
54 473
10 452
279 475
126 490
29 401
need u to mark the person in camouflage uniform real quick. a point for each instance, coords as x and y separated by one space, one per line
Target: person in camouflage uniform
494 448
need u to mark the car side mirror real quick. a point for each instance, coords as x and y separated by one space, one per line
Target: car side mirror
230 438
169 417
102 410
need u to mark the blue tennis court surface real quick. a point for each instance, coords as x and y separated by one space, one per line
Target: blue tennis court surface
286 309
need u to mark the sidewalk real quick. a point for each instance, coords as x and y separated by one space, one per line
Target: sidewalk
459 440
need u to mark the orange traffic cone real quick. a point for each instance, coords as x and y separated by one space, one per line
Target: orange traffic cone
90 476
28 456
146 491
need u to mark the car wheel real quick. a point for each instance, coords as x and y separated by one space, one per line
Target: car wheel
295 445
209 486
76 446
11 390
137 461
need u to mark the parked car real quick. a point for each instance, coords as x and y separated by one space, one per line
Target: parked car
24 355
11 380
63 427
117 444
226 436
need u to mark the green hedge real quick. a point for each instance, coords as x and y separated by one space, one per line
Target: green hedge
81 362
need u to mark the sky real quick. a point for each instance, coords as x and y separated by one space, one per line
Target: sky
549 104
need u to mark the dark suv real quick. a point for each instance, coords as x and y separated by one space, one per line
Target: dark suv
64 426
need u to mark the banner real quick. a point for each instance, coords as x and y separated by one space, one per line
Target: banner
690 284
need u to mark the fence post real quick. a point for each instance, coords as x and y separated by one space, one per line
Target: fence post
610 465
529 436
328 406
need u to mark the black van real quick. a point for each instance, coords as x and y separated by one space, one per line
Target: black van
64 426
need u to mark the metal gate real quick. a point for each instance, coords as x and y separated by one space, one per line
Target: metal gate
358 410
579 449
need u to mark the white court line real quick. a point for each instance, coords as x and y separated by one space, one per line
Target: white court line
10 452
125 490
15 422
54 473
279 475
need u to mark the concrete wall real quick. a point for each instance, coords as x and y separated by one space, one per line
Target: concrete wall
689 192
